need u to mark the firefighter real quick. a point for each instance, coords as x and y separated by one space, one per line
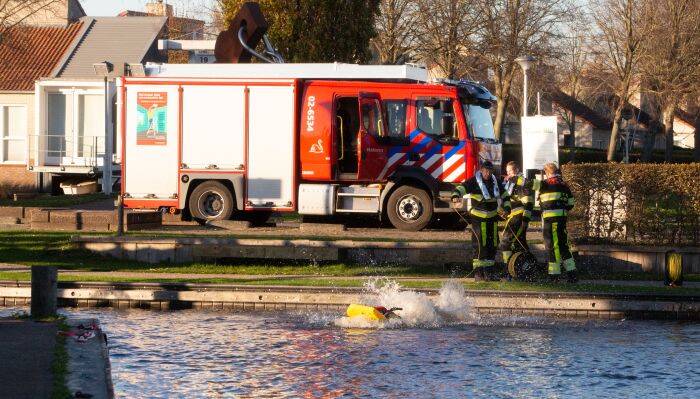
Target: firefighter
556 201
519 191
485 202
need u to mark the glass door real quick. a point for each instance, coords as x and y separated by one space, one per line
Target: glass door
58 125
90 130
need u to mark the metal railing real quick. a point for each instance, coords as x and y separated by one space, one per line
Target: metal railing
61 150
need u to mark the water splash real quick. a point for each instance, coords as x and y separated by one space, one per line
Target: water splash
418 309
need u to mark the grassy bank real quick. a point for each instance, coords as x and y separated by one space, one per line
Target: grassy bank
59 366
355 282
55 201
55 249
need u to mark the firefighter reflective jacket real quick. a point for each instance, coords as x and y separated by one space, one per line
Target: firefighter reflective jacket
483 200
522 199
555 197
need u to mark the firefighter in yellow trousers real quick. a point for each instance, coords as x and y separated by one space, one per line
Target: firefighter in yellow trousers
518 190
485 202
556 201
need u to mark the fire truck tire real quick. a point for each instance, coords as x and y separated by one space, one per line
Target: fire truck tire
409 208
211 200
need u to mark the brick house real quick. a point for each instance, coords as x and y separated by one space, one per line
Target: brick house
27 53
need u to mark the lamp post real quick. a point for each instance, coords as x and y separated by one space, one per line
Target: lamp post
525 63
103 69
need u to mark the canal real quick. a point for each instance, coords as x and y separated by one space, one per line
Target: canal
439 349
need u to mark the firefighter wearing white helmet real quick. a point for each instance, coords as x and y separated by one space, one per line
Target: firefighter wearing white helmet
486 201
519 191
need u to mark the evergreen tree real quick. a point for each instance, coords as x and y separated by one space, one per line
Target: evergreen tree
316 30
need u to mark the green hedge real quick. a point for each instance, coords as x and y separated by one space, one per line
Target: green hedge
513 152
647 204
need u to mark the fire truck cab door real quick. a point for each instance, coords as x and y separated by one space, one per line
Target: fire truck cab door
372 141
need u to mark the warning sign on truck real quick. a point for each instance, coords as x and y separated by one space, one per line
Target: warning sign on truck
152 118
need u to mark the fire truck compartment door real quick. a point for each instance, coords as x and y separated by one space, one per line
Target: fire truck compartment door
151 142
213 127
271 147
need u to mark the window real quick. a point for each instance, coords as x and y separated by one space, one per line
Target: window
13 131
431 114
479 121
396 117
371 117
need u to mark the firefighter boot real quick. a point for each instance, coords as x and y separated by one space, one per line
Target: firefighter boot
479 274
490 274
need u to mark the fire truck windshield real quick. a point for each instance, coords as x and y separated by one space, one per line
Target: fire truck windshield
479 121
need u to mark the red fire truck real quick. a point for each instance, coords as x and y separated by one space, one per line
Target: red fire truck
317 139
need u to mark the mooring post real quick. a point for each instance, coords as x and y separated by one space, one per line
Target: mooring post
44 291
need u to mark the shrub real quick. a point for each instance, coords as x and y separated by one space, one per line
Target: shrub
649 204
513 152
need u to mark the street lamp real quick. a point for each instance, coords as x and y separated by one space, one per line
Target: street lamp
103 69
525 63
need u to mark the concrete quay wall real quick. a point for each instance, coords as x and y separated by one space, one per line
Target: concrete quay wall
167 296
198 249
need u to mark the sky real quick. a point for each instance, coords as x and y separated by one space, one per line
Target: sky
110 8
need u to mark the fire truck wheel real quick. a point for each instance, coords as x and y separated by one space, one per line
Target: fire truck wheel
409 208
211 200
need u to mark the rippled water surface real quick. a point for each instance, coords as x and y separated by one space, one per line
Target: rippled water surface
223 354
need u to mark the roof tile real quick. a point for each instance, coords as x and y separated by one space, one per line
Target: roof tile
29 53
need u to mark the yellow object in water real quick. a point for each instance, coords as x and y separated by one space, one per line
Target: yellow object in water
368 312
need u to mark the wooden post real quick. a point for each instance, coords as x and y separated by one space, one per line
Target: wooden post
44 291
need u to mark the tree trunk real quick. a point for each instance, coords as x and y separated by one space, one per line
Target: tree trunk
667 115
572 130
649 142
615 132
500 117
697 142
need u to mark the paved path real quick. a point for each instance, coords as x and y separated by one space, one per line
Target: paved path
350 233
26 353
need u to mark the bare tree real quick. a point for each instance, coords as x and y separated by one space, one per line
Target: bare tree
509 29
395 38
670 65
15 12
619 39
572 68
444 32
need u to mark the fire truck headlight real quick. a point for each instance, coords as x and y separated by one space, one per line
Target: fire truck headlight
185 178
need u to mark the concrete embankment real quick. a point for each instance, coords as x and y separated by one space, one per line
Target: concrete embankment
33 366
89 369
165 296
439 253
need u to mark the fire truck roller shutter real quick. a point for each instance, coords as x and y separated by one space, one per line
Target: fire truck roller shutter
213 127
151 142
271 148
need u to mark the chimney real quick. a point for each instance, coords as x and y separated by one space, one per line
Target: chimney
158 7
